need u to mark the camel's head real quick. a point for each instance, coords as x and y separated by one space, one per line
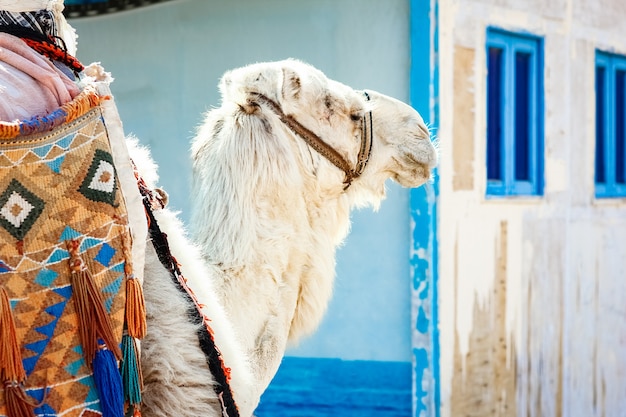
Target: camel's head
401 148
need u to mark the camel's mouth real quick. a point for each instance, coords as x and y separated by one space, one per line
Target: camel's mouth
414 166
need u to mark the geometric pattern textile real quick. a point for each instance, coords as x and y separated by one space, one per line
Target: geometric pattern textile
55 187
19 209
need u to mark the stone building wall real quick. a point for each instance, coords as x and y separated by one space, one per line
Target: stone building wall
532 291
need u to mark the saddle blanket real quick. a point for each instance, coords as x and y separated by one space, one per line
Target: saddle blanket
61 202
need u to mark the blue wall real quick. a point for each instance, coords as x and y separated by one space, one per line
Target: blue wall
332 387
369 314
167 60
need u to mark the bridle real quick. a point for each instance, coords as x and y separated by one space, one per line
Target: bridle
323 148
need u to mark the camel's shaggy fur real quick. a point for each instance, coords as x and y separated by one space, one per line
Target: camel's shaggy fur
177 381
268 213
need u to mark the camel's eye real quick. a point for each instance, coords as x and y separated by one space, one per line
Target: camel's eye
355 117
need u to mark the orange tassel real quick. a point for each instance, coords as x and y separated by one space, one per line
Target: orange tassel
135 305
94 322
137 412
12 372
11 368
135 309
17 402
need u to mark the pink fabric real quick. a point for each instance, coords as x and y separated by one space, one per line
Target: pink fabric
30 84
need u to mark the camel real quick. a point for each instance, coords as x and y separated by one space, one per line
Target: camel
271 203
277 168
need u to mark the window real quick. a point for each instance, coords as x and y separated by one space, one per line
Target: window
610 175
514 114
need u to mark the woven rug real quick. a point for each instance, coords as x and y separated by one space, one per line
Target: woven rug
61 202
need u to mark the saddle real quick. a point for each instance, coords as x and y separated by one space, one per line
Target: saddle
72 236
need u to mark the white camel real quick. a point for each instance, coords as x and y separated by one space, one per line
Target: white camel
271 204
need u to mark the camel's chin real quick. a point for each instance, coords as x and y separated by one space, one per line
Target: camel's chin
413 167
412 178
410 183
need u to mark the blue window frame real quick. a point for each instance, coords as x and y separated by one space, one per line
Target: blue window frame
610 167
514 114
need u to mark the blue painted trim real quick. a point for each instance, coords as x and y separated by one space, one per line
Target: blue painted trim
511 43
424 71
322 387
612 63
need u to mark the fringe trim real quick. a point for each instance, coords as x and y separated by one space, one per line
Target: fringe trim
94 322
18 403
135 309
108 381
11 368
68 112
130 369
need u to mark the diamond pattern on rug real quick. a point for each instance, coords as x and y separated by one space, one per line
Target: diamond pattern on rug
46 277
100 183
105 254
19 209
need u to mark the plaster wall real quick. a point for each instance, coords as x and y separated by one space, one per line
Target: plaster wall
532 289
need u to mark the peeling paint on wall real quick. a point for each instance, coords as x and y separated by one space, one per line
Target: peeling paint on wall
463 129
423 309
484 381
540 355
424 218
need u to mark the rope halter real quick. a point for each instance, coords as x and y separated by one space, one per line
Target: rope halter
323 148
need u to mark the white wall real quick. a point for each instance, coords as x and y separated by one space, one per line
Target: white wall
167 60
532 289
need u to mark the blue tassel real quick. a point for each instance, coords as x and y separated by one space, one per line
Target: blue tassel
108 383
131 373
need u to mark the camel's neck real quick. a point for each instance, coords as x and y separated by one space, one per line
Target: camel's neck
289 257
277 288
270 234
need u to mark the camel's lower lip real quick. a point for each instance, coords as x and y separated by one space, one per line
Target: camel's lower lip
413 177
414 166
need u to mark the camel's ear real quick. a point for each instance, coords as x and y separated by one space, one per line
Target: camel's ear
291 84
242 85
225 85
236 86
